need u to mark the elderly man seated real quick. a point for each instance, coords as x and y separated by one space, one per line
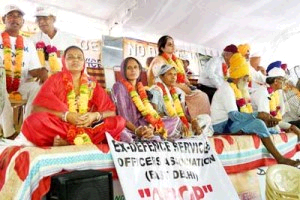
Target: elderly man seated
231 110
268 98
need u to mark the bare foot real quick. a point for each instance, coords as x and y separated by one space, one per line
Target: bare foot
290 162
58 141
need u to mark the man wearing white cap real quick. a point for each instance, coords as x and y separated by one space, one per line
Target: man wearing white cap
269 98
45 18
257 72
21 65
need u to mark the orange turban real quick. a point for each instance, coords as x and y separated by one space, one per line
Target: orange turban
244 48
238 66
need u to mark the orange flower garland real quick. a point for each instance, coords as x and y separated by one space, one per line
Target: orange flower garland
274 103
141 101
175 110
243 104
51 51
78 134
13 72
225 70
177 63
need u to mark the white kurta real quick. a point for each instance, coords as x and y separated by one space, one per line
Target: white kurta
211 73
223 103
61 41
27 89
260 101
257 79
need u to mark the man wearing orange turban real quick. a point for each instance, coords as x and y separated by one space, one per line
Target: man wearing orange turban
231 110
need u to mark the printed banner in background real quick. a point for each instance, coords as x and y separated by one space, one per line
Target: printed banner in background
92 52
185 169
139 49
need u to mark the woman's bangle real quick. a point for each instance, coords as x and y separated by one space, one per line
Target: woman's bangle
64 116
99 117
136 130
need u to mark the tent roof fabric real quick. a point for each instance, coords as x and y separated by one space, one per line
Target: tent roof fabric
213 24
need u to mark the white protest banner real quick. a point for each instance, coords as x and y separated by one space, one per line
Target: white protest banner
183 170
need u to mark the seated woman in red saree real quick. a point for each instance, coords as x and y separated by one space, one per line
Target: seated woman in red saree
72 109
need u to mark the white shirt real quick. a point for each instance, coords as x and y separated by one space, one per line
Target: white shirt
223 102
258 79
260 100
159 100
211 74
30 58
61 40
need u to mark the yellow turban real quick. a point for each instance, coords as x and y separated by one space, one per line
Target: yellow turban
238 66
243 49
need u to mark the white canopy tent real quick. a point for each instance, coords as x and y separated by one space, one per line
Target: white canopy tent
271 27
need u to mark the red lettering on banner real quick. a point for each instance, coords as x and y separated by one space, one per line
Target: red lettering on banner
182 189
147 191
210 188
197 193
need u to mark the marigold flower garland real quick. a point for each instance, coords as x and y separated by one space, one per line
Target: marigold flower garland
13 72
78 135
40 51
274 103
141 101
53 61
175 110
243 104
177 63
52 56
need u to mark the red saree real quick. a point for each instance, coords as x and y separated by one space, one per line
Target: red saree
41 128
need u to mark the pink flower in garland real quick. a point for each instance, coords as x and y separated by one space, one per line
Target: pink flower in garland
51 49
270 90
273 113
40 45
241 102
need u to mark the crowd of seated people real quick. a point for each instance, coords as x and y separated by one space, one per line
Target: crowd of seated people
71 108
